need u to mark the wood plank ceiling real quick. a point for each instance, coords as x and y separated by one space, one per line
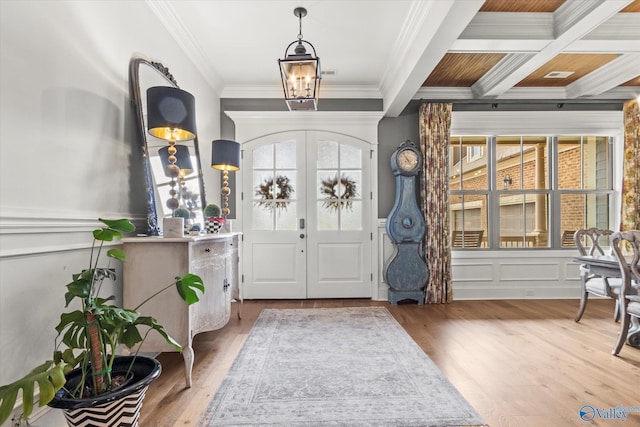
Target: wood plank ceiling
464 69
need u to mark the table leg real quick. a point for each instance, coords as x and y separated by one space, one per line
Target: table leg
187 355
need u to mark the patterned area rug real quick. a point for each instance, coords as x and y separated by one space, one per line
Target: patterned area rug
335 367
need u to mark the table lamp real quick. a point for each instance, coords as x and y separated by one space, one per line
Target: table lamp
171 116
225 156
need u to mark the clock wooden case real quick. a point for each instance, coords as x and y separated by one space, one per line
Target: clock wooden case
406 273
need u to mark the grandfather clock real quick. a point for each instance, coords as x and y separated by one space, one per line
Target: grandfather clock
407 272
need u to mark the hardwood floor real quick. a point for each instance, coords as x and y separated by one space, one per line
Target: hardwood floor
518 362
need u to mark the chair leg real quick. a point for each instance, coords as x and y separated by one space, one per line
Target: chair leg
583 304
616 315
624 330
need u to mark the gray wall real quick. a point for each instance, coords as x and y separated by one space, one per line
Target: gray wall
392 131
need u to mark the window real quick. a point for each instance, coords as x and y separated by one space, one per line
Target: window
584 181
529 191
474 153
469 186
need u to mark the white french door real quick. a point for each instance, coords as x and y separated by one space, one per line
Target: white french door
306 208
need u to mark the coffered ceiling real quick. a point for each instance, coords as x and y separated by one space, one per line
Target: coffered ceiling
399 50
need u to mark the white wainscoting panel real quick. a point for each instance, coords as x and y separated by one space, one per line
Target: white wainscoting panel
473 271
508 274
38 255
518 271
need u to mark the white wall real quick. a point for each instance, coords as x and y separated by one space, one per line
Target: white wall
67 153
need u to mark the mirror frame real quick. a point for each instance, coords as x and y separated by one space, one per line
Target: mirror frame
153 228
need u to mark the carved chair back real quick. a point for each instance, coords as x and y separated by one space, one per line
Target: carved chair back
588 240
623 242
626 247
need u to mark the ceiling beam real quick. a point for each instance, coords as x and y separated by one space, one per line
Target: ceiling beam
614 73
432 26
572 21
531 32
510 26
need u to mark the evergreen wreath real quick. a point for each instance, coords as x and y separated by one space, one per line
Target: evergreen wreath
265 192
329 188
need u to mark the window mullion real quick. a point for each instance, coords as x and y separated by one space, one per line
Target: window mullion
554 223
493 217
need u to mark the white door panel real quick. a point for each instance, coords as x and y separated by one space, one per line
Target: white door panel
340 262
275 255
306 209
338 207
273 278
267 262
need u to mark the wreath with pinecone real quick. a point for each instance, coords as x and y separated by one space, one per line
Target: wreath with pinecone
265 192
330 188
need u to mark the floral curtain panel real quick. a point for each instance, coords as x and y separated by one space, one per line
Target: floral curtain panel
631 168
435 123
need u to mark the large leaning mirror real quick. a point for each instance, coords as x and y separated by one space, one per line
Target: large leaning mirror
144 74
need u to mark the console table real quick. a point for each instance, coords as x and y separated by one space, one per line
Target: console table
153 262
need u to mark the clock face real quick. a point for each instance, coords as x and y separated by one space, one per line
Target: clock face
407 160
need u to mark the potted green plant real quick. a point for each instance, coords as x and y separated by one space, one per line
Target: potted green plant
212 218
211 210
85 371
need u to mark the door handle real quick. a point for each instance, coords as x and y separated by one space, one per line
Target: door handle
301 223
302 235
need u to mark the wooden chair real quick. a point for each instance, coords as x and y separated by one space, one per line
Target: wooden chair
588 243
470 238
629 297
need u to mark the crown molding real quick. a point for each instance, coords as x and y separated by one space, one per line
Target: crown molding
167 15
405 41
326 92
443 93
620 93
537 123
253 124
240 117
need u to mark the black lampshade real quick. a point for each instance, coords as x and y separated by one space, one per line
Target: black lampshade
171 113
183 159
225 155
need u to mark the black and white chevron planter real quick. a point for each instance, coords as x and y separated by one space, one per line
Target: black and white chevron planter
118 408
